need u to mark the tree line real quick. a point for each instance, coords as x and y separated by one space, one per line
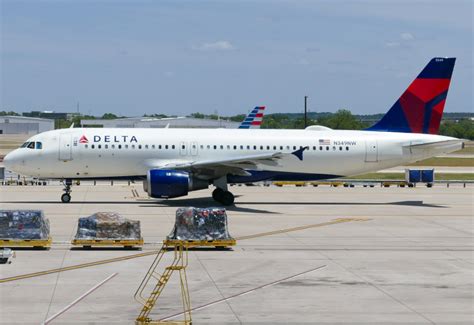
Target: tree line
459 125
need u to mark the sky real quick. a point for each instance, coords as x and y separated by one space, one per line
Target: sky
178 57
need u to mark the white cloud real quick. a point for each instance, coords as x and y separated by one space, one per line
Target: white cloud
392 44
303 61
215 46
407 36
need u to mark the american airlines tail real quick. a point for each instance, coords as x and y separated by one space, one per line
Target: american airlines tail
420 108
254 119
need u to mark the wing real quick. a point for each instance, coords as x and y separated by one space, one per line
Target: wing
210 169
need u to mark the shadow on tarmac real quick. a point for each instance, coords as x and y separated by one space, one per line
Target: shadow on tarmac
208 202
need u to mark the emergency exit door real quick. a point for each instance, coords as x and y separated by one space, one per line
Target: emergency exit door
65 147
371 151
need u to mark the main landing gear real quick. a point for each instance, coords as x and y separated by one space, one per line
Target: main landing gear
221 194
66 197
224 197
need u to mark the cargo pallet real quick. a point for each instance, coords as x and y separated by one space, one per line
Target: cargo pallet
39 243
200 243
148 292
126 243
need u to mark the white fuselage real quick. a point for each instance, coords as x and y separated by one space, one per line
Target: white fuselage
123 152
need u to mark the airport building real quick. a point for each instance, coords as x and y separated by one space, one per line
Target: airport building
51 115
147 122
24 125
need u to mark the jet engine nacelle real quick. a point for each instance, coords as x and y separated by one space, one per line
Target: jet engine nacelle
166 183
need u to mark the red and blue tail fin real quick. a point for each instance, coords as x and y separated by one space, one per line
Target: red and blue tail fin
254 119
420 108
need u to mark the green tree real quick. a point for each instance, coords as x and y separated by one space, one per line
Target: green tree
343 120
109 116
463 129
8 113
237 118
198 115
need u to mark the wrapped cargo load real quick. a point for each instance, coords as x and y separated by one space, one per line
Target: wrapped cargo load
108 225
23 225
196 224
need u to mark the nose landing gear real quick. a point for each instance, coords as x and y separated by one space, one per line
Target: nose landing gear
66 197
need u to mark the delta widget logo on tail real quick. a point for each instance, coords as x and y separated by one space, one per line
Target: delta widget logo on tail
83 139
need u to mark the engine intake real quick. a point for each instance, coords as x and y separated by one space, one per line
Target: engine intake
168 183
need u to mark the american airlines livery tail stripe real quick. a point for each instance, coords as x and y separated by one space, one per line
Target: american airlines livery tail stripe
420 108
253 119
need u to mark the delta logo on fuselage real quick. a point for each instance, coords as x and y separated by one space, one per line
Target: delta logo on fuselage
114 138
109 138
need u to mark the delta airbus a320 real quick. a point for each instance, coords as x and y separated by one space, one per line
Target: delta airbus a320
172 162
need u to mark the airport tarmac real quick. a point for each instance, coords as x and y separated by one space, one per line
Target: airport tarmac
367 256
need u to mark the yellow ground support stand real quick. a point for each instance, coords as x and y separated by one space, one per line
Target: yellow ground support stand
107 242
332 184
44 243
282 183
200 243
179 263
394 183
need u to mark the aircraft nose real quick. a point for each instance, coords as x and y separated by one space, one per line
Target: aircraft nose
10 161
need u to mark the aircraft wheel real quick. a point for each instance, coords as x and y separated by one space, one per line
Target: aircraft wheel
227 198
65 198
217 194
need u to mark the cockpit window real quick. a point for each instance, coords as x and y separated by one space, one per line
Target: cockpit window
31 145
39 145
24 145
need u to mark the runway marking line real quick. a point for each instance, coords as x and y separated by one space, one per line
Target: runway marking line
283 231
243 293
72 304
153 252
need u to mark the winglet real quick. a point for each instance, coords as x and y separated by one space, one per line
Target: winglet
299 153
